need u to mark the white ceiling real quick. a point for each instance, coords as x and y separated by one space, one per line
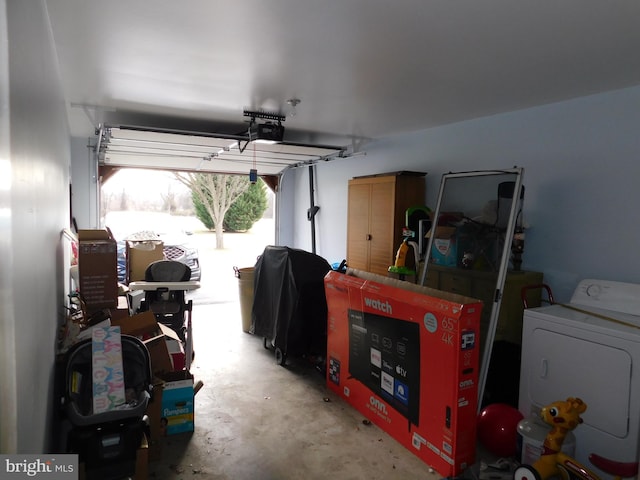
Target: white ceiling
361 68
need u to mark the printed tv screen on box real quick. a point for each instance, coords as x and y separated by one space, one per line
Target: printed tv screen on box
407 358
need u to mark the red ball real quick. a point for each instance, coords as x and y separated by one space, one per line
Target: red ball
498 429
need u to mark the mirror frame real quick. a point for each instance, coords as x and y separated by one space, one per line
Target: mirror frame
517 172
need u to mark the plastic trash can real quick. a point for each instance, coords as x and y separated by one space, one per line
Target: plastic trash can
245 285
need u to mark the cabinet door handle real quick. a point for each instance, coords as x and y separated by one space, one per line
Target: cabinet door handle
368 237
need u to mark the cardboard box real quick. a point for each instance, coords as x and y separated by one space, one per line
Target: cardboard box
158 423
157 429
122 310
139 255
134 300
145 327
443 248
142 460
178 403
449 245
97 269
407 358
174 347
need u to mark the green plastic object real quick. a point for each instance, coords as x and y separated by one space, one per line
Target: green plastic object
401 270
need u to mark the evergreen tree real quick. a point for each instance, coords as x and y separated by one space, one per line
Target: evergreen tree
247 209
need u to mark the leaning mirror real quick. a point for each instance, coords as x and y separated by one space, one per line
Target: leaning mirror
471 244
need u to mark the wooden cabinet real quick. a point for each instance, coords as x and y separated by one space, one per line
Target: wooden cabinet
482 285
503 374
376 215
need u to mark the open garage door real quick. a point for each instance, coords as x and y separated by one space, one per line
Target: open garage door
260 151
127 146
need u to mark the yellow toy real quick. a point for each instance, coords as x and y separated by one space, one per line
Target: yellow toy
564 416
400 266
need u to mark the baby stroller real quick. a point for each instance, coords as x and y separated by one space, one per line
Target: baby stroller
107 442
166 283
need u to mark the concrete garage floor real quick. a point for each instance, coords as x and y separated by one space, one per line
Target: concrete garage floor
260 421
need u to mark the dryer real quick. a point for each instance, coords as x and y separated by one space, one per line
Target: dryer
588 348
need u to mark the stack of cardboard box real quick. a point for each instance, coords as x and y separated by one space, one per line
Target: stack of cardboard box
171 409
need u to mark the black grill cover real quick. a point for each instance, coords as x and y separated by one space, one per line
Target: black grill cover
289 305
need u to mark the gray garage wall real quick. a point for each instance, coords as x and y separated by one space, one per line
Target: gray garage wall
34 208
581 162
84 185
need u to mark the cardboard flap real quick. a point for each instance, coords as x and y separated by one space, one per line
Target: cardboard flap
142 324
169 332
85 235
392 282
147 245
442 232
145 327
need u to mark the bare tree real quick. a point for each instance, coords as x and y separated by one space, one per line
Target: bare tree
124 200
169 201
216 192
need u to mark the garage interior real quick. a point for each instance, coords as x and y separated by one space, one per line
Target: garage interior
256 419
361 90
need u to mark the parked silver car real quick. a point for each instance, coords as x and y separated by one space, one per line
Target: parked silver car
177 246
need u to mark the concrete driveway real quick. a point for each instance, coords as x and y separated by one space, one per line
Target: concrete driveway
219 283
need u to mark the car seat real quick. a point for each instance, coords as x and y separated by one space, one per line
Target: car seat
107 442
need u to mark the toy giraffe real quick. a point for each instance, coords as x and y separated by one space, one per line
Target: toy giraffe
563 416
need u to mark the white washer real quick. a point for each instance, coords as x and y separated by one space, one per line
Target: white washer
570 353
